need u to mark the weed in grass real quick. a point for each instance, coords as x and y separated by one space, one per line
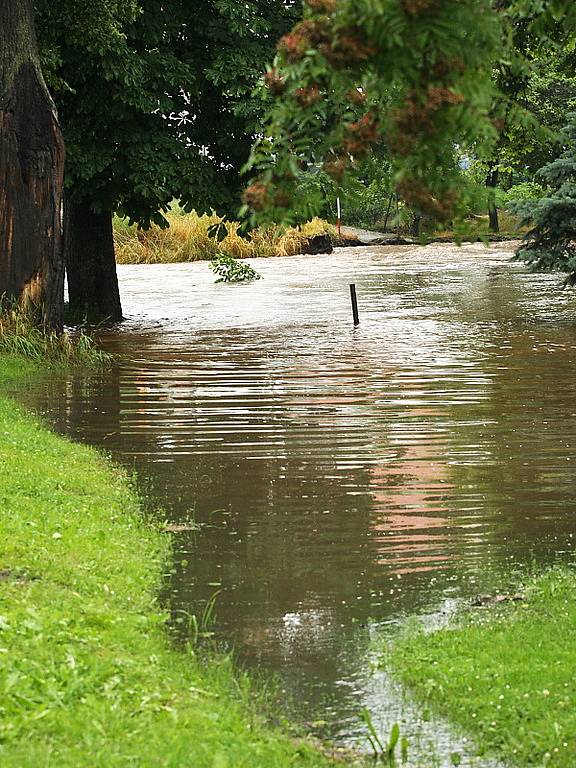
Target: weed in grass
372 733
384 752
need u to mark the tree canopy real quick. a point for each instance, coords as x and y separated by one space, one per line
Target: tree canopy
155 101
154 96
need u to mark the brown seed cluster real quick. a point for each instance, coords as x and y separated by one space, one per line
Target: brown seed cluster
440 96
336 166
307 35
419 7
447 69
348 49
499 123
281 198
256 196
417 118
307 96
293 46
274 82
322 6
362 135
276 192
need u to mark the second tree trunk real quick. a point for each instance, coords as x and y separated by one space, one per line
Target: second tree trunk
90 264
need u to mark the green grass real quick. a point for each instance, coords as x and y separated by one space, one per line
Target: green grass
88 676
19 336
507 676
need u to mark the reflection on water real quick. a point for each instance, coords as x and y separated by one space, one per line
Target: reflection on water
343 476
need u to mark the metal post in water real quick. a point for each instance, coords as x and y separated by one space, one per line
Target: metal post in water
354 304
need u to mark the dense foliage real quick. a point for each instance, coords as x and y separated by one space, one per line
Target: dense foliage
417 75
551 244
547 93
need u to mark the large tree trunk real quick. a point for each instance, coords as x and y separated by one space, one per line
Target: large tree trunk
31 173
492 183
90 264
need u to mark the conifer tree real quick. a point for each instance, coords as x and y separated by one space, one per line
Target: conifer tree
551 244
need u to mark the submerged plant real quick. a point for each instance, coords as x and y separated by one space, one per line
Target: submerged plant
230 270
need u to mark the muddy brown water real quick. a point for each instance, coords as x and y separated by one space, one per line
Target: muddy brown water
343 478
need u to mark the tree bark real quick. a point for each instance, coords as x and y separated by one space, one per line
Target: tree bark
90 263
31 173
492 183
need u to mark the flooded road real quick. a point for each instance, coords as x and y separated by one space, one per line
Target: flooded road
343 478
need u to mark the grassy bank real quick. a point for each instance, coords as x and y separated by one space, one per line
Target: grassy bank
20 337
506 675
87 674
192 238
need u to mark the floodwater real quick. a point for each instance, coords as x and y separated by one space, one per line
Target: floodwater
342 478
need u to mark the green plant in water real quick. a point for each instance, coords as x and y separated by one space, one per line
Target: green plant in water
373 738
393 742
230 270
381 751
207 621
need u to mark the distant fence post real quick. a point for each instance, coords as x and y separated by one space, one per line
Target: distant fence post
388 211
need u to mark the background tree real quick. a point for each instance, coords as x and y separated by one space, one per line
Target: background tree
159 108
425 69
31 172
533 76
549 95
551 244
530 110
